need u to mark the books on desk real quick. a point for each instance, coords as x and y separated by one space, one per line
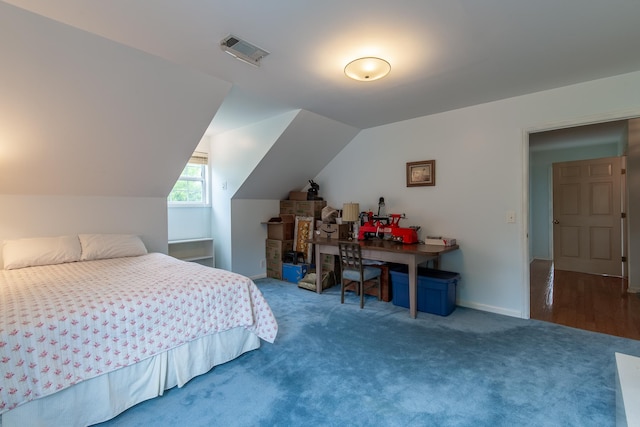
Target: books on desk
440 241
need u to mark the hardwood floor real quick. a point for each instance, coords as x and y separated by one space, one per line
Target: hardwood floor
585 301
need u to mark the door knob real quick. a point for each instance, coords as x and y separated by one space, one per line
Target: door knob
555 221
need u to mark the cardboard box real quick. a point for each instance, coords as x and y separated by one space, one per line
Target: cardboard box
306 208
331 263
310 208
274 269
334 231
288 207
275 249
297 195
294 272
440 241
281 230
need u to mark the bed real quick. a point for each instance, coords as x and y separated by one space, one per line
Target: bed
90 325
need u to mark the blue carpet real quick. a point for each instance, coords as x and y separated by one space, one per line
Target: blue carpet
338 365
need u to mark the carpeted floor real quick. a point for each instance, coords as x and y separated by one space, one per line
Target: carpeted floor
338 365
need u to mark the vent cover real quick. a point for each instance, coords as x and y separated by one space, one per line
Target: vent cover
242 50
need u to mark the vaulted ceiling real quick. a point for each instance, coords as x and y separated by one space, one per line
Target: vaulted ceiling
118 82
444 54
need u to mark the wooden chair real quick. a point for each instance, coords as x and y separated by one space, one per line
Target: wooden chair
354 271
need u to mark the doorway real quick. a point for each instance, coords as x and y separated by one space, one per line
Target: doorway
601 140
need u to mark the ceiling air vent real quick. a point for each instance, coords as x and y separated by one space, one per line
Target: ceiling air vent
242 50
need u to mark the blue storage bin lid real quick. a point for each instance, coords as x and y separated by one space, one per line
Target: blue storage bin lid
445 276
432 274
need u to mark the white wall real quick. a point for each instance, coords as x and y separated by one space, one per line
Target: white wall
83 115
42 216
189 222
481 155
249 235
234 155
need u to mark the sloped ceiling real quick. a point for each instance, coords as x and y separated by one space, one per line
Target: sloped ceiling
444 54
82 115
299 154
132 86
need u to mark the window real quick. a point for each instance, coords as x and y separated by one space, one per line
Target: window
191 187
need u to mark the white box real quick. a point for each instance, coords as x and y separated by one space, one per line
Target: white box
440 241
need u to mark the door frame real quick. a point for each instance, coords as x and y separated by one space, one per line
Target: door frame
526 197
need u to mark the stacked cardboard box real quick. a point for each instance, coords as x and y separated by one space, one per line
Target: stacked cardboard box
305 208
333 231
282 230
280 234
274 254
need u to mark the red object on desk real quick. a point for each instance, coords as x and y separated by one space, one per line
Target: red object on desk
374 227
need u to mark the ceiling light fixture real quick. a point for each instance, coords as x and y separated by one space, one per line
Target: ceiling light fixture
367 69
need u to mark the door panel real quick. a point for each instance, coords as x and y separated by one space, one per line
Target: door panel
586 211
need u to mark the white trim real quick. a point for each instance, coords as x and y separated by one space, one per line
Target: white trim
526 303
489 308
582 121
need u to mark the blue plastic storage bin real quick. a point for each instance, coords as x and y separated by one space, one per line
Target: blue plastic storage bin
436 289
294 272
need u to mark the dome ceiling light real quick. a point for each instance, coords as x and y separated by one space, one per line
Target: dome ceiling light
367 69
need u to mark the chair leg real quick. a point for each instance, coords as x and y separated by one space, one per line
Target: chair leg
342 286
379 289
361 287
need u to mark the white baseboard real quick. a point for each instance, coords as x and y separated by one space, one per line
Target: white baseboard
490 309
633 290
259 276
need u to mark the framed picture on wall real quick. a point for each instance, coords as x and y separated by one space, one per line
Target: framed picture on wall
421 173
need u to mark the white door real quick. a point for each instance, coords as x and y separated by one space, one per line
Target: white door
587 233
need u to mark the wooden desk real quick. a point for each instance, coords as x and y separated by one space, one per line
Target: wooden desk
389 251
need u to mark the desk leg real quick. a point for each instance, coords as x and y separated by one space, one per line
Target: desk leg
436 263
413 287
318 270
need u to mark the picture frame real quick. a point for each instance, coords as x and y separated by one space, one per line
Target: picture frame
421 174
302 233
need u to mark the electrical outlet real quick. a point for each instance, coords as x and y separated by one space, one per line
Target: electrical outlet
263 263
511 217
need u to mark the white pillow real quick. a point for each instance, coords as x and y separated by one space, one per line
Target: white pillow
40 251
102 246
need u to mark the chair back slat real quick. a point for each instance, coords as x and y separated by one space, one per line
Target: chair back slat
351 256
351 259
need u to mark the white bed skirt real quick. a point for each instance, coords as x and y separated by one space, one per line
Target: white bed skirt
102 398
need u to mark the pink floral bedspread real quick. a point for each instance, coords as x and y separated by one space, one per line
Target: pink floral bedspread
66 323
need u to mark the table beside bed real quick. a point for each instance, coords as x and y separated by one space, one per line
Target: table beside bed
389 251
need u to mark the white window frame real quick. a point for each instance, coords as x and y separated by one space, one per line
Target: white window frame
201 159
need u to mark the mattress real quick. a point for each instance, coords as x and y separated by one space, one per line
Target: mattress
61 325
